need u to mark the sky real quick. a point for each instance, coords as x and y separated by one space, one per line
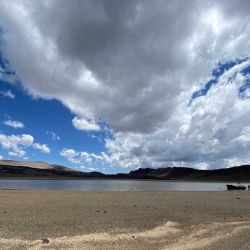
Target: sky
112 85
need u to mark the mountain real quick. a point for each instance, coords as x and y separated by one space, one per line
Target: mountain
38 169
18 169
240 173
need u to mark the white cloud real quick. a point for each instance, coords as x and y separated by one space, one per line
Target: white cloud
26 140
15 144
1 157
136 69
14 124
212 130
42 147
8 93
83 124
89 160
70 155
82 158
17 153
85 157
13 140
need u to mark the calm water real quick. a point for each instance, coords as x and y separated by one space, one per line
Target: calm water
112 185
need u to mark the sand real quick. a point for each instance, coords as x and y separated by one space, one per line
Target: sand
124 220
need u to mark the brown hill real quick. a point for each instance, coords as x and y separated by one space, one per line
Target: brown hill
39 169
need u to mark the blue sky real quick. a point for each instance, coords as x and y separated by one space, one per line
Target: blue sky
219 70
50 123
123 86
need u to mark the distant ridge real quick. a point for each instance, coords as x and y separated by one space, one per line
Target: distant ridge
39 169
43 170
239 173
34 164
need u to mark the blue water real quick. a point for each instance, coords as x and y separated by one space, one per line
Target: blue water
112 185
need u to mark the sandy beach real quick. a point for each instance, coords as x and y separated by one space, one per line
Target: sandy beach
124 220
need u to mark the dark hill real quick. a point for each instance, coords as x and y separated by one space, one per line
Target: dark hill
16 169
241 173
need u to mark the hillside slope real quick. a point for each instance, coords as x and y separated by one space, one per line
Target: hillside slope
14 169
240 173
17 169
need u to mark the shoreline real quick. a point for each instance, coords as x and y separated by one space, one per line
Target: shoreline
124 179
119 191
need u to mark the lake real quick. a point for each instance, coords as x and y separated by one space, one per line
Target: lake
112 185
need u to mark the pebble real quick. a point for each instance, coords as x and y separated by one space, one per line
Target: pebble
45 241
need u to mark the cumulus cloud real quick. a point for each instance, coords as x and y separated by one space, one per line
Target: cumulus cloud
118 59
15 144
42 147
83 158
17 153
213 130
70 155
14 124
135 64
83 124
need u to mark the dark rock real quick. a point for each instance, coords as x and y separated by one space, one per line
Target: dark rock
45 241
